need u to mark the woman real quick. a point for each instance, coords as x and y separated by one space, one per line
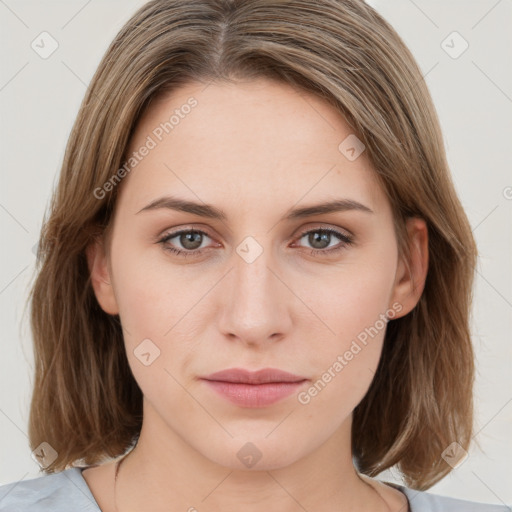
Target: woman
255 275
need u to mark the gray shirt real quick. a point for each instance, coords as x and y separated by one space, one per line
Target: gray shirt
68 491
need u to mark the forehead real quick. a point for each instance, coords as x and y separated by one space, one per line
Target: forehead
260 141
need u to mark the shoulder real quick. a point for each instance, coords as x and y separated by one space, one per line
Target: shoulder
55 492
421 501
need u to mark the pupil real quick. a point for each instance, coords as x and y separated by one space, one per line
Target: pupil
188 240
315 237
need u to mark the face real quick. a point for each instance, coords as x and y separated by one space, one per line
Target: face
252 277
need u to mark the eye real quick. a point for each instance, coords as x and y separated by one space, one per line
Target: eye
189 239
321 239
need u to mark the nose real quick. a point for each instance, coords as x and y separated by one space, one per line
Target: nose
257 301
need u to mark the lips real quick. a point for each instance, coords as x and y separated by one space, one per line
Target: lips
254 389
266 375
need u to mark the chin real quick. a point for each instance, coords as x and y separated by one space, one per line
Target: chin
256 455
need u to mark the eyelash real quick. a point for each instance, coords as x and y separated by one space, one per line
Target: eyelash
345 241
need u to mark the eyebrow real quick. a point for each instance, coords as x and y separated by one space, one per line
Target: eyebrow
210 211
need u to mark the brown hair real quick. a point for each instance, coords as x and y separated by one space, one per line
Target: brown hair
86 403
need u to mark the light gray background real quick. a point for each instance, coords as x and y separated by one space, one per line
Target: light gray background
39 99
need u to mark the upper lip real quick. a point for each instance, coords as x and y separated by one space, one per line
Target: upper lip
265 375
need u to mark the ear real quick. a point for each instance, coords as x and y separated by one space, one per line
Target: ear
97 262
412 273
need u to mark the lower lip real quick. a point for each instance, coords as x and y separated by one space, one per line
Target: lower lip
254 395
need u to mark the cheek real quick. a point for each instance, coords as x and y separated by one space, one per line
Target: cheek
353 297
158 304
152 293
346 365
352 307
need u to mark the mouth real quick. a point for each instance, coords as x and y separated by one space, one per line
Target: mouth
254 389
263 376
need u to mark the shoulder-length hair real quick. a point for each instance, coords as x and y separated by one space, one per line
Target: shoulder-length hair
86 403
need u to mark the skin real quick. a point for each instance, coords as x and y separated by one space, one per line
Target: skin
255 150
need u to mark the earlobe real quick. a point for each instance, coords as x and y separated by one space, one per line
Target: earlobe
412 273
100 277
